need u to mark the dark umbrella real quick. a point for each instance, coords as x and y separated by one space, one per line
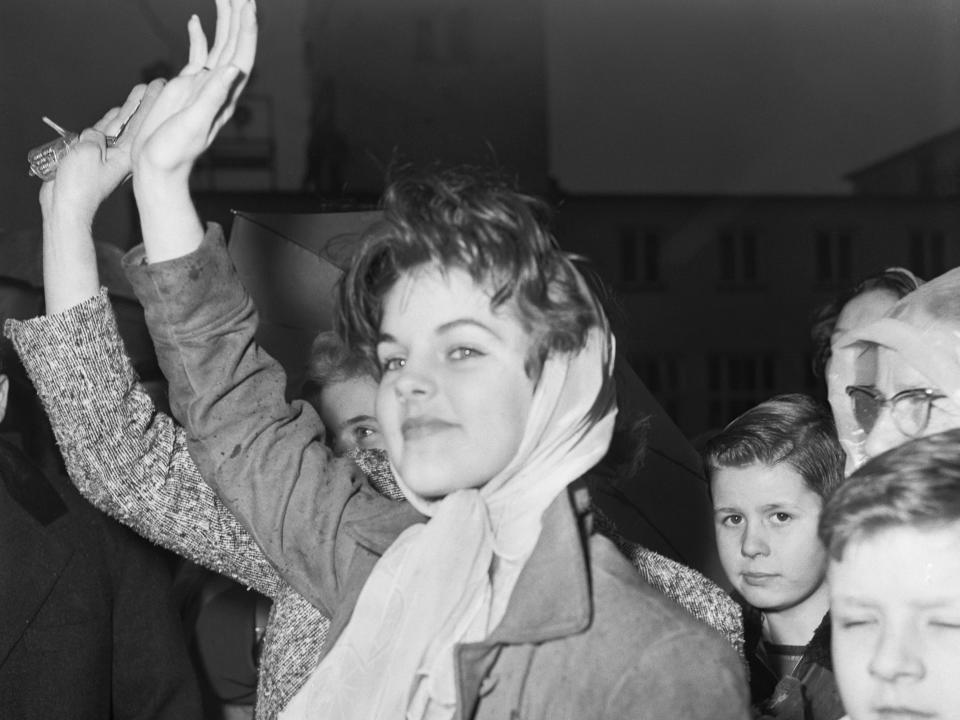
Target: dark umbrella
289 264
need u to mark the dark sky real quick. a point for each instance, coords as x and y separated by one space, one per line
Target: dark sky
744 95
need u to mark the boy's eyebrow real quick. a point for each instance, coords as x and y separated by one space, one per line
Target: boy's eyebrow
781 504
851 600
936 603
725 509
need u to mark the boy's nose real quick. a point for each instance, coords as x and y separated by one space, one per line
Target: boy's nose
754 541
896 656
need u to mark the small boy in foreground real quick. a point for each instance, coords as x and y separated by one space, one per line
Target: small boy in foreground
893 535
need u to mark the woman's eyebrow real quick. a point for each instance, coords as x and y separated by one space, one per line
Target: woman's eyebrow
358 419
468 321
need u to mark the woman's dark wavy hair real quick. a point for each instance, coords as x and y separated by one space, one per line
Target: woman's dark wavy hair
793 429
896 280
474 221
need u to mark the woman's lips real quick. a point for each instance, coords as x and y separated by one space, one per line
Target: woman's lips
420 427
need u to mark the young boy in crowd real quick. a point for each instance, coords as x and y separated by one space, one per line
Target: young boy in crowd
893 536
770 470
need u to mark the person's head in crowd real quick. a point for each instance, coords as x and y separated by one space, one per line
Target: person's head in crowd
865 302
893 535
770 470
898 378
341 385
464 299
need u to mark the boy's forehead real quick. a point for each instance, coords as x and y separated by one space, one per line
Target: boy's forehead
903 562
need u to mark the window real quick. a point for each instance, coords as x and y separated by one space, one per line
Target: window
928 253
738 257
736 382
661 375
834 264
639 256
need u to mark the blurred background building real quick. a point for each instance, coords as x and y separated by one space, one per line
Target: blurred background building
727 167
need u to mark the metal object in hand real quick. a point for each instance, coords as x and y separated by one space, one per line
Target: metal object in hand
43 159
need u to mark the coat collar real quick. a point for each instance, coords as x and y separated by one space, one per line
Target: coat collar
551 600
552 596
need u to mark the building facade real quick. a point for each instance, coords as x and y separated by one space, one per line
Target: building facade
716 294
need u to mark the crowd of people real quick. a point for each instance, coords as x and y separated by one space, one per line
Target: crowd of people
421 518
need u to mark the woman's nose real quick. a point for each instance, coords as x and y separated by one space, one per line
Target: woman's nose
884 435
414 382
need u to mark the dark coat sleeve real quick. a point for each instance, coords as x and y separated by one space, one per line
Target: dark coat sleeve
152 674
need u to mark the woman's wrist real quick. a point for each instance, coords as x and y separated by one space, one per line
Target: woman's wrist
169 222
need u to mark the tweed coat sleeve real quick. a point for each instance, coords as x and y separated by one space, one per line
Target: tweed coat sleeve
125 457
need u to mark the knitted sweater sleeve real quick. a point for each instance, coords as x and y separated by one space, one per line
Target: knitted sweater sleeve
125 457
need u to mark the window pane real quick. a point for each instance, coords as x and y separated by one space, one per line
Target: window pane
628 254
937 260
749 250
824 260
651 259
917 255
727 258
844 258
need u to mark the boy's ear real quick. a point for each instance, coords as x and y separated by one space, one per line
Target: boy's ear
4 394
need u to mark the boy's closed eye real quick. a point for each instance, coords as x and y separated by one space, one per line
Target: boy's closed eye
945 623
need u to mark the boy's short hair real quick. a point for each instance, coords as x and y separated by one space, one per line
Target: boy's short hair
915 484
474 221
792 428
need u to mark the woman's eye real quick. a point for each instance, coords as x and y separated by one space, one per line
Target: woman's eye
391 364
782 517
732 520
462 353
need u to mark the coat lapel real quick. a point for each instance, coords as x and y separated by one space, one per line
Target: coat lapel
32 552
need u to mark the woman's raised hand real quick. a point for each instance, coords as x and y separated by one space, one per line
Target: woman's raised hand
194 105
92 170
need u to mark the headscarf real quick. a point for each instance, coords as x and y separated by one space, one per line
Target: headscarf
448 581
923 328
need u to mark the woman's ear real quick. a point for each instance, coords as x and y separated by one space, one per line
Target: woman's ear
4 394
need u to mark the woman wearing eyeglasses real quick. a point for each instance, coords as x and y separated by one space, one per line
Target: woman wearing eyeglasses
898 378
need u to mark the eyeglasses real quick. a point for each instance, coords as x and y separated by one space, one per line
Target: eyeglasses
910 409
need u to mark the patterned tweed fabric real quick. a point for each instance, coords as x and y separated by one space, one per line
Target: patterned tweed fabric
694 592
132 463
